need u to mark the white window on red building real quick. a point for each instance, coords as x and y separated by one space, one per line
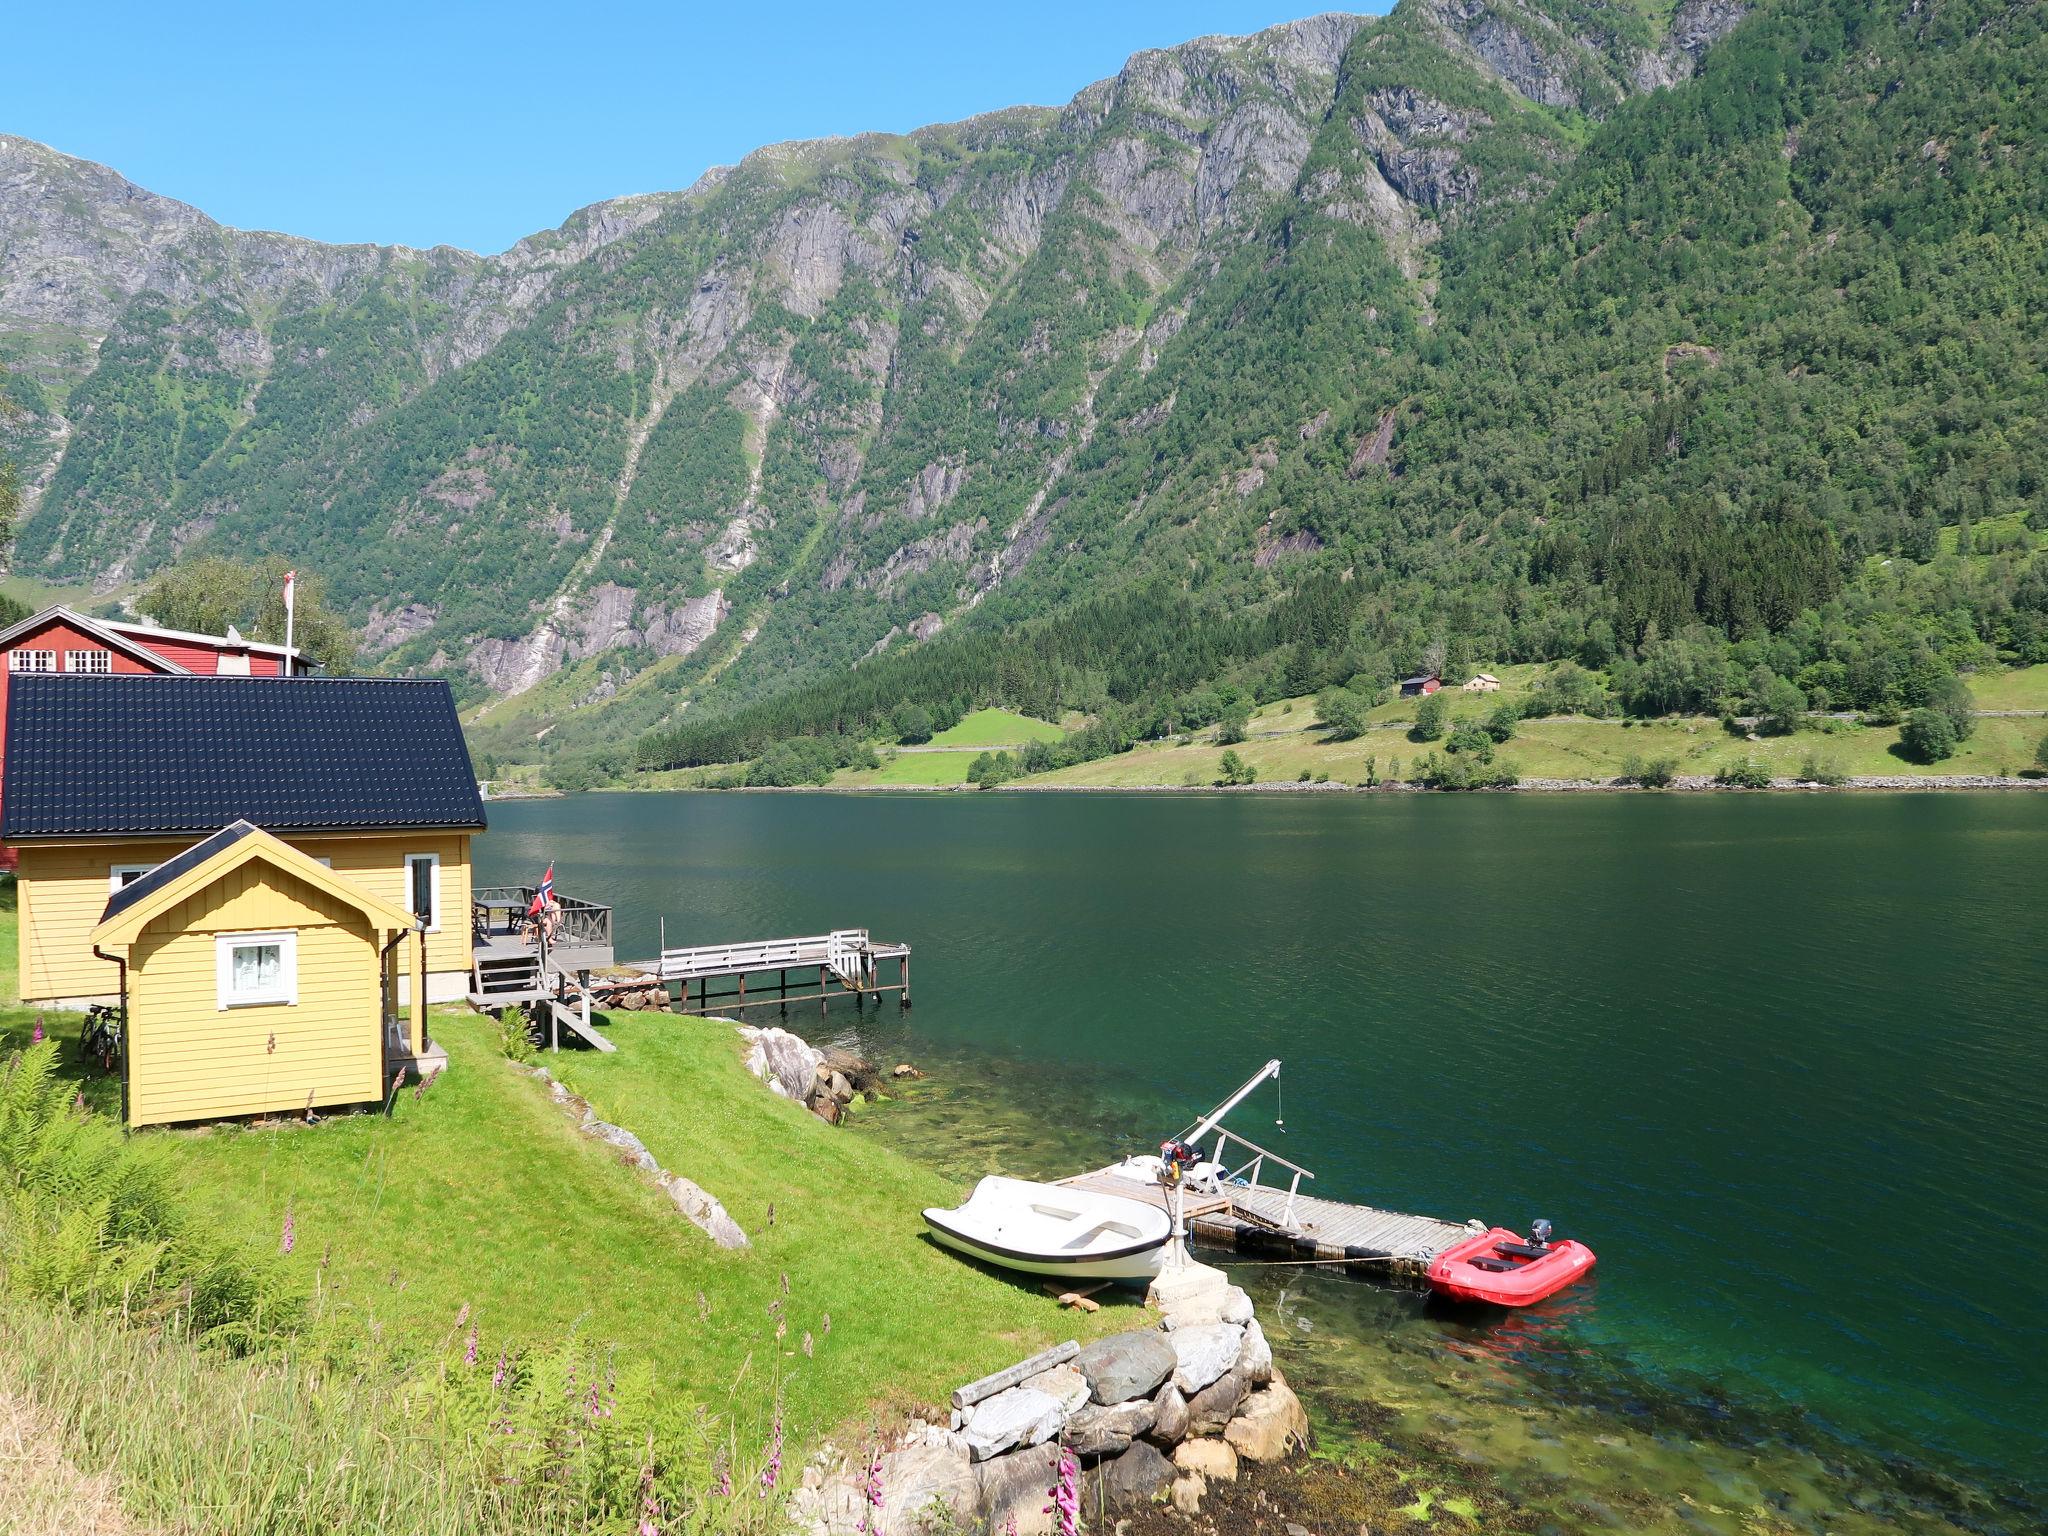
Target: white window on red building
88 661
31 661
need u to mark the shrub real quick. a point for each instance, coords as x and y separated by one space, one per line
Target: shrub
1650 773
1778 705
1236 770
1744 773
1459 772
1822 770
1928 736
1471 740
2041 754
1232 728
513 1037
1430 718
1501 723
1342 713
913 724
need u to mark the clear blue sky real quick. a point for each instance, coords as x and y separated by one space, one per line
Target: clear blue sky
474 124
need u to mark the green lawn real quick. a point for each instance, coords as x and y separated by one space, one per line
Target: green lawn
911 769
480 1193
995 728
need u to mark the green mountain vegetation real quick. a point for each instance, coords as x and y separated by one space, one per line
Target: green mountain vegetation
1692 345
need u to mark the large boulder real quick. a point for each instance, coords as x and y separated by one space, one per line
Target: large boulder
1127 1365
1100 1431
1139 1475
1255 1359
1201 1355
785 1063
1012 1493
1169 1416
1065 1385
1269 1424
930 1467
1188 1491
1017 1417
1216 1404
1212 1459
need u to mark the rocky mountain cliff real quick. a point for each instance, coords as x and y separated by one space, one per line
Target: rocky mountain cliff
850 394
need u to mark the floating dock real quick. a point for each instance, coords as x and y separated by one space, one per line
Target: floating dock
1260 1219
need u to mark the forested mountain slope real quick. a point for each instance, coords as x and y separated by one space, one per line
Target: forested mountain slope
1534 329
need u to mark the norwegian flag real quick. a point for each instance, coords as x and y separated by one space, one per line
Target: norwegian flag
545 894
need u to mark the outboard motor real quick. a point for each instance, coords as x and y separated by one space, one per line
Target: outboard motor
1539 1233
1175 1158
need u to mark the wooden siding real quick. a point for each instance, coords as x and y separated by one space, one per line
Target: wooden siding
191 1059
63 890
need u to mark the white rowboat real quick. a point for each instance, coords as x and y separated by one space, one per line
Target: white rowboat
1050 1229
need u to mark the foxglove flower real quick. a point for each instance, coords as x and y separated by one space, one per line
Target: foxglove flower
290 1234
469 1354
771 1473
1066 1495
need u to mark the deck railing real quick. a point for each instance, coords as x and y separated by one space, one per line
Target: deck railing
499 911
1250 1170
841 950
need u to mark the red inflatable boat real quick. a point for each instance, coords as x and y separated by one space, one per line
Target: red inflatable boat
1498 1267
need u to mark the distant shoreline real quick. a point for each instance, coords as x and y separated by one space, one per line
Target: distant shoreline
1687 784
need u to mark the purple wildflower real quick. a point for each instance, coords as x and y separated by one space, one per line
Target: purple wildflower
773 1471
1066 1494
590 1408
723 1487
469 1354
290 1234
650 1507
36 1035
498 1376
871 1489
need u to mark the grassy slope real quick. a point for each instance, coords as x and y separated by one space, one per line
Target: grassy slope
911 769
995 728
481 1193
1283 742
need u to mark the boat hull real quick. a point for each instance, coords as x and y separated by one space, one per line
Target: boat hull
1467 1271
1141 1264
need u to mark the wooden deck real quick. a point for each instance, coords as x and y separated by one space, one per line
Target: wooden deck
847 962
1257 1219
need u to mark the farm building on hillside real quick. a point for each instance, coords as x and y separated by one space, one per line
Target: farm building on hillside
108 777
256 980
63 642
1421 683
1482 682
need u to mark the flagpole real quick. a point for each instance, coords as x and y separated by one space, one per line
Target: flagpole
290 577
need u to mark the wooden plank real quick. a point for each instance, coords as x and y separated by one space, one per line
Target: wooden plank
571 1019
1009 1376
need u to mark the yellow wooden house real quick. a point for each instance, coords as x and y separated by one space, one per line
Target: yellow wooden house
110 780
257 980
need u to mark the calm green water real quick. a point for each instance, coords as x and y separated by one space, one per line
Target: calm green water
1782 1061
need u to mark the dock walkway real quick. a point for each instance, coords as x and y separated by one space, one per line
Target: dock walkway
847 960
1260 1219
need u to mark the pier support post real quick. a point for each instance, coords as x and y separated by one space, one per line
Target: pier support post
824 999
903 992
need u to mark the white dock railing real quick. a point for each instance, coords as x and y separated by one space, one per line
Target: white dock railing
1250 1170
842 951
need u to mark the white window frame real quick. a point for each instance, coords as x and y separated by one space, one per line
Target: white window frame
19 661
285 994
434 919
89 663
132 871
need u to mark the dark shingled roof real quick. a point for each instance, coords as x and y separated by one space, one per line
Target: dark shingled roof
137 756
173 867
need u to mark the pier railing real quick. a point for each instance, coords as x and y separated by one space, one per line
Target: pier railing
1249 1171
841 951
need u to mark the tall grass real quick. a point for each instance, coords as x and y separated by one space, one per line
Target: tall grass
273 1444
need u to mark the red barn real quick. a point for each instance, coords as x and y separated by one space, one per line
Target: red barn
59 640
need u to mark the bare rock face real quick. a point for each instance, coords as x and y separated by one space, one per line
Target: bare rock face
1139 1475
1213 1407
1010 1493
1022 1416
1202 1355
1099 1431
1211 1459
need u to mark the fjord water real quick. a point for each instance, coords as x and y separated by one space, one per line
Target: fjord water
1779 1060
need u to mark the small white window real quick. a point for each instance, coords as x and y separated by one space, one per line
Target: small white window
31 661
125 874
88 661
423 888
257 968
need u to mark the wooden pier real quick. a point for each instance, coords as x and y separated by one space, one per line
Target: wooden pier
848 962
1261 1219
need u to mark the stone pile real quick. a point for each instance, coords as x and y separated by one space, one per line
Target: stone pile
1152 1414
823 1081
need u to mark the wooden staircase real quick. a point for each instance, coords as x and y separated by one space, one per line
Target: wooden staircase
505 980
